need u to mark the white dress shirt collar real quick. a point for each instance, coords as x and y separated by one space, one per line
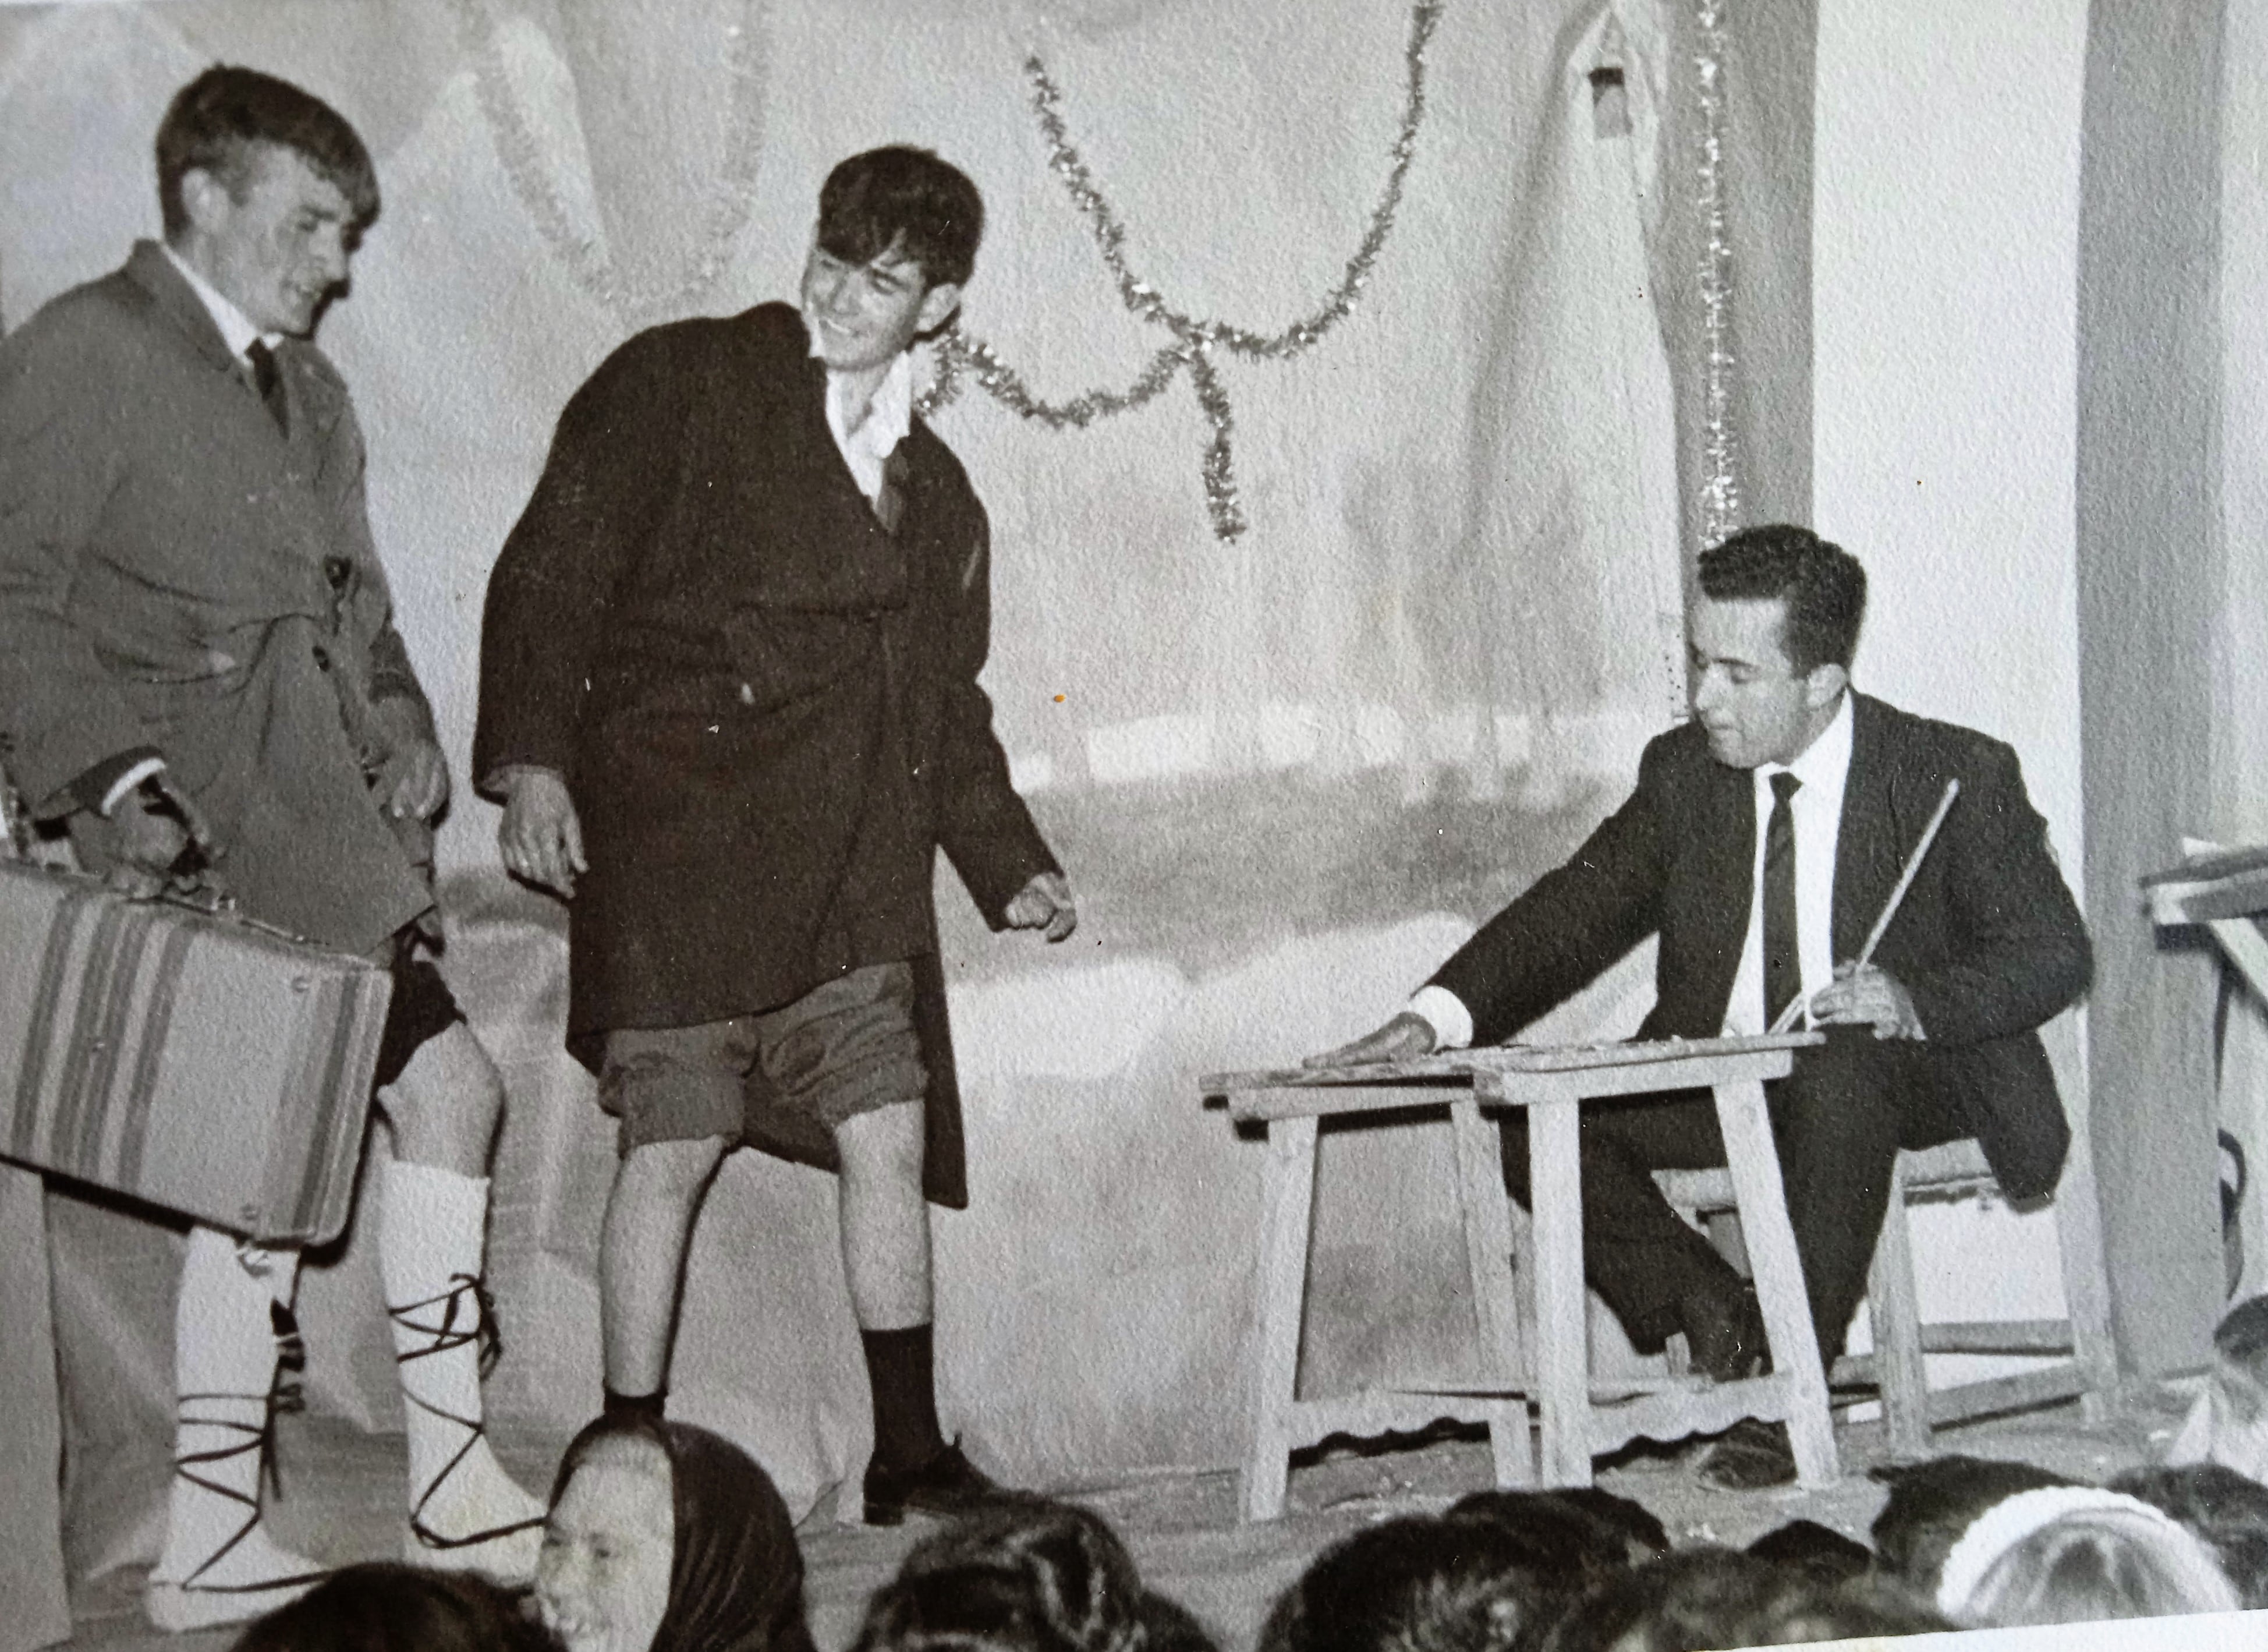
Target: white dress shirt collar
889 416
236 329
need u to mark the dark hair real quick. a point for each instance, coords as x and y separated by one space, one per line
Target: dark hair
1024 1574
1579 1532
386 1606
1707 1596
906 201
736 1570
1933 1503
1422 1583
1822 584
2229 1511
1825 1553
213 122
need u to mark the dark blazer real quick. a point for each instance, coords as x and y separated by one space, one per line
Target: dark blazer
1988 942
699 623
178 577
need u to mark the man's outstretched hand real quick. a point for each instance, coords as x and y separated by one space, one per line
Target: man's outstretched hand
1044 903
1404 1038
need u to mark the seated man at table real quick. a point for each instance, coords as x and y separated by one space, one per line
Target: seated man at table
1762 839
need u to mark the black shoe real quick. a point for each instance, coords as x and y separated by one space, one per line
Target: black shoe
1749 1457
947 1484
1725 1334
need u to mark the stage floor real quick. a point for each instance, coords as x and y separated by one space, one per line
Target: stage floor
344 1505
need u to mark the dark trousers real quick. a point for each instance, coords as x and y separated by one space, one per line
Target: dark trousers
1838 1119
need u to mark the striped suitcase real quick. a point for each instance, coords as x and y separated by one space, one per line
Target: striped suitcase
195 1061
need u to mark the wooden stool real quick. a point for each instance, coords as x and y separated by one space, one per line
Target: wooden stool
1534 1342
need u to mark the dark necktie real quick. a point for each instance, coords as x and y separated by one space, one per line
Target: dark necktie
1783 964
268 382
890 496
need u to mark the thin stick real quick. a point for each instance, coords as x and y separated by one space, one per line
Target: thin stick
1890 907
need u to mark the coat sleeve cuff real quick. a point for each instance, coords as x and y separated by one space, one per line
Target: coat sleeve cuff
1445 1014
100 787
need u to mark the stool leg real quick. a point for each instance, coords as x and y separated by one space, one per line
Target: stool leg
1562 1351
1482 1201
1754 1160
1279 1288
1894 1306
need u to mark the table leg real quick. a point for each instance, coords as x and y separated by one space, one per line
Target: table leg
1561 1351
1754 1160
1482 1201
1279 1288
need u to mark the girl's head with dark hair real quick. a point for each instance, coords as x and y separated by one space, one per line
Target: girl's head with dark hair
1024 1574
2227 1510
389 1607
1470 1582
1579 1532
1706 1597
1933 1503
664 1537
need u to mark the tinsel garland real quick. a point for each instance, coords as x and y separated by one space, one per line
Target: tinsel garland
586 261
1720 487
1195 339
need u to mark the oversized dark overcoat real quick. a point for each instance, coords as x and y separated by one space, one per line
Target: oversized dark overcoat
180 577
700 622
1988 942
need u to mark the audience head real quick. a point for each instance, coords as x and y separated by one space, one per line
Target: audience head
2221 1507
1825 1553
218 122
1024 1574
2075 1554
388 1607
1577 1533
664 1538
1708 1597
1421 1583
1933 1503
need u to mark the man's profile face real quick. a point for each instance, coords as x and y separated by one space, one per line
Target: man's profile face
277 244
863 315
1747 695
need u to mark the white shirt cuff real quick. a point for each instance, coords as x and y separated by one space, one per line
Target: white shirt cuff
128 781
1445 1014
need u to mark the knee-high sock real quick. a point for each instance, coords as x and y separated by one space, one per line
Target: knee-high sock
465 1510
900 1368
219 1566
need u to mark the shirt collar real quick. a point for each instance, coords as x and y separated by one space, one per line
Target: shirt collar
889 415
236 329
1826 759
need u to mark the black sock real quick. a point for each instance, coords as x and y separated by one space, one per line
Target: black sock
899 1368
620 1406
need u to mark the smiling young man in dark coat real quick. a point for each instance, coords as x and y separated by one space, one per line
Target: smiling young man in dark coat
1762 839
729 696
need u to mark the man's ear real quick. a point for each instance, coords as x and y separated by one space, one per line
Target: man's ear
206 198
937 306
1822 683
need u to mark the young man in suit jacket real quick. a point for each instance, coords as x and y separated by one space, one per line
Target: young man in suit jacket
1764 838
728 694
197 652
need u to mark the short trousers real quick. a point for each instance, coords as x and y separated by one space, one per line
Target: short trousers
423 1008
847 1047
